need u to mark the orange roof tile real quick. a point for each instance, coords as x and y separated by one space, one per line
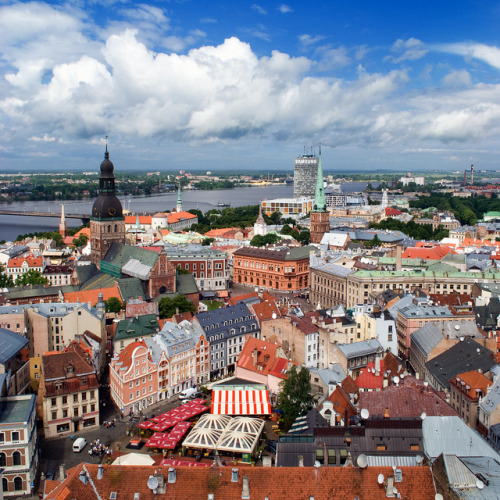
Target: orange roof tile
92 296
434 253
471 383
281 483
30 260
144 220
177 216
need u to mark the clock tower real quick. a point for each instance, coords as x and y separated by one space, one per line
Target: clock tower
319 216
107 223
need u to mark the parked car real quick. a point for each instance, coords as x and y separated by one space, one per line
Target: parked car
196 395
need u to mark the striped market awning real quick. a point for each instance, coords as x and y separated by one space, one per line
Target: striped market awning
241 402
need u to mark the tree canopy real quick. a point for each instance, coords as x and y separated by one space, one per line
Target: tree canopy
114 305
168 307
261 241
31 277
295 398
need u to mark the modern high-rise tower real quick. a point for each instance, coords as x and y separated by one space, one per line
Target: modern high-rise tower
305 174
107 223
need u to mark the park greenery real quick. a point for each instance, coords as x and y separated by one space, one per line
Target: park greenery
412 229
30 277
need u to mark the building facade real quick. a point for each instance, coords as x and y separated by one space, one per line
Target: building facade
209 267
133 379
68 394
226 330
319 217
18 445
279 268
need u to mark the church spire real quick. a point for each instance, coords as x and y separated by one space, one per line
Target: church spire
178 208
63 228
319 199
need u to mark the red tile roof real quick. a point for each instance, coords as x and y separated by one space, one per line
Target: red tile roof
125 356
261 357
144 220
471 383
408 399
283 483
174 217
31 261
389 211
349 385
92 296
341 403
434 253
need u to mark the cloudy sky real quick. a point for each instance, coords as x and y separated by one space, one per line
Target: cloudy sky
211 84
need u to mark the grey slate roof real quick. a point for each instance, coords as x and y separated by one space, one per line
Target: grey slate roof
428 336
10 344
486 316
462 357
17 409
490 402
221 321
363 348
440 436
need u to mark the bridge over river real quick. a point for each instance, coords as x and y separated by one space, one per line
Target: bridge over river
30 213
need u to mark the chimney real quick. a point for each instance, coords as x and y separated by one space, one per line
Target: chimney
377 365
386 414
301 461
83 477
62 473
255 354
246 488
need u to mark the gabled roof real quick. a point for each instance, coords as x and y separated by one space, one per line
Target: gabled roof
490 402
341 403
440 436
54 366
467 355
434 253
472 383
407 400
174 217
275 483
31 261
261 357
92 295
145 325
124 358
10 344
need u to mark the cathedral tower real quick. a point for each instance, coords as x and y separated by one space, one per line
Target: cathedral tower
319 217
107 223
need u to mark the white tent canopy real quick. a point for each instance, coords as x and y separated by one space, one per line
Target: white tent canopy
134 459
223 433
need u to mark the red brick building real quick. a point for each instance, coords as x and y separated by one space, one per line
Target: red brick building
280 268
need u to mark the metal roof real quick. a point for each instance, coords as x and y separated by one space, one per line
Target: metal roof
440 436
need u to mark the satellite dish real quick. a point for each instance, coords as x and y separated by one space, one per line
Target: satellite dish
362 461
419 459
380 479
438 496
365 413
317 464
423 415
396 380
152 483
479 484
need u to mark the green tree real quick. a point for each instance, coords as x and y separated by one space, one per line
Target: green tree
5 281
261 241
295 398
207 242
81 241
168 307
114 305
304 237
31 277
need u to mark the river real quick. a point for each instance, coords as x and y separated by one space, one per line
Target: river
13 225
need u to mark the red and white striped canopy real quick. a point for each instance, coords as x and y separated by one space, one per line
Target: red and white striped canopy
241 402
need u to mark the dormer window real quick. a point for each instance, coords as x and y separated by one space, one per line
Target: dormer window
70 369
58 386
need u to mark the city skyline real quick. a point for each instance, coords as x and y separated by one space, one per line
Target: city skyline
198 85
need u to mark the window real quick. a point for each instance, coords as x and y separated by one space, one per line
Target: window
18 484
54 415
332 457
53 402
15 436
16 458
3 460
65 413
320 455
130 385
381 447
414 447
84 396
2 437
75 412
75 398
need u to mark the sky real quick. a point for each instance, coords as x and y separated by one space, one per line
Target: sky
212 85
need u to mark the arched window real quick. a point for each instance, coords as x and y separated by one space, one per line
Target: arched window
5 484
3 460
18 483
16 457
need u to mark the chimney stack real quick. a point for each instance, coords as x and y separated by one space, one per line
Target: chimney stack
62 473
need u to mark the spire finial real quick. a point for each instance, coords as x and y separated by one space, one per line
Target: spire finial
106 144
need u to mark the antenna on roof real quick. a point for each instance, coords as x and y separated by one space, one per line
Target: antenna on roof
380 479
362 461
364 413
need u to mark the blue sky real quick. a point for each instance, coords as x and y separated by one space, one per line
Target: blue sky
204 85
